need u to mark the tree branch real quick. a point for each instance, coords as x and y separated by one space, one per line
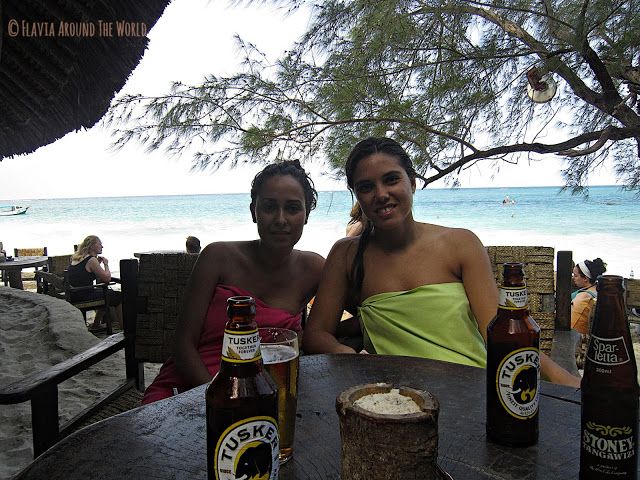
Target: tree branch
613 134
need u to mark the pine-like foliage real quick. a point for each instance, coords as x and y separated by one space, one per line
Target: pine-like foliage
446 78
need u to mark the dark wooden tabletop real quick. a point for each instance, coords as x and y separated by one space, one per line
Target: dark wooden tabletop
166 440
14 268
19 263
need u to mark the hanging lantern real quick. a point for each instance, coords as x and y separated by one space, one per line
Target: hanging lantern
542 87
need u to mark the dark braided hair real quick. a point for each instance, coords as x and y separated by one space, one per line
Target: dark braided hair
289 167
362 150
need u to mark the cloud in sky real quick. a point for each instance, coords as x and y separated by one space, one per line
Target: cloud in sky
194 38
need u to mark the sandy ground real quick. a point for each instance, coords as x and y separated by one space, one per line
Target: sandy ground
32 338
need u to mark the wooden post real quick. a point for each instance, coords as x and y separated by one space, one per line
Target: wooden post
564 266
388 446
129 279
44 418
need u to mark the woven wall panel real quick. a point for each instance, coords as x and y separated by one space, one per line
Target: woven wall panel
633 292
161 279
540 278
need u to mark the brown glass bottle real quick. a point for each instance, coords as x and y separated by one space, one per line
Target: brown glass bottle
513 365
242 403
609 388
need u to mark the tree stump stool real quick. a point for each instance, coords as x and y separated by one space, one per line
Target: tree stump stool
388 446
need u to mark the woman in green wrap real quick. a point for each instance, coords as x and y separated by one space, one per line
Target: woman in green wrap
420 289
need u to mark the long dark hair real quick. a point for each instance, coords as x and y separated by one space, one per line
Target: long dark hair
362 150
289 167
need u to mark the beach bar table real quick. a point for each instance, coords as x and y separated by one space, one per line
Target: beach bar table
14 268
166 440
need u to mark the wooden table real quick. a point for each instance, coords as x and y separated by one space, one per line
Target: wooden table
15 266
166 440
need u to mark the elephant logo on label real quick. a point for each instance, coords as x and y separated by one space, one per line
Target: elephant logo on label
254 462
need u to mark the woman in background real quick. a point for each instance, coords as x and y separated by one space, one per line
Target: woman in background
421 290
583 300
356 221
281 280
87 267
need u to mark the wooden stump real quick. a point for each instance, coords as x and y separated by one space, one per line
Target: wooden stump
388 446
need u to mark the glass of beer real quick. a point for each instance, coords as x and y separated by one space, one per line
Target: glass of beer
280 355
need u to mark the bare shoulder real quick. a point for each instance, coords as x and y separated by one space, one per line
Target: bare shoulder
459 238
222 253
310 260
345 246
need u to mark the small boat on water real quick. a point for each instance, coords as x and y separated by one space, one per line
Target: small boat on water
6 210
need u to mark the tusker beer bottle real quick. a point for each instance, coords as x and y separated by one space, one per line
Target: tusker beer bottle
609 389
242 404
513 365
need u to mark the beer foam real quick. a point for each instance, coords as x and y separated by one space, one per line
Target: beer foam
390 403
277 353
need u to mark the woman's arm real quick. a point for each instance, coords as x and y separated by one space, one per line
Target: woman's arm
553 372
197 295
102 274
477 278
319 334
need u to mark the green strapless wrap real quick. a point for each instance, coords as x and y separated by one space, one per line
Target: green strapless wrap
431 321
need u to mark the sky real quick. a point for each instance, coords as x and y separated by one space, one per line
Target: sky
194 38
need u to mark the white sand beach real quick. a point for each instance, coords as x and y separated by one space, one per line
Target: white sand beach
33 337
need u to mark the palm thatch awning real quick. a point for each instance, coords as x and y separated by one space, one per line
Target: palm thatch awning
59 69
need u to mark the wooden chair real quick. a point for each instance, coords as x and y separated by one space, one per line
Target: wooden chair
102 303
152 297
52 280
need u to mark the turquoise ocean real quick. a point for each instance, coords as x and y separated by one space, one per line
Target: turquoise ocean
606 224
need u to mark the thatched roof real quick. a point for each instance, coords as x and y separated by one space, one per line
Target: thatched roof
51 84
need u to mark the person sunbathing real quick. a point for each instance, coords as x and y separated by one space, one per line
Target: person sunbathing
421 289
282 280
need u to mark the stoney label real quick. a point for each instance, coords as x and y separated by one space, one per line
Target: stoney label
513 298
610 443
248 449
517 381
608 351
241 347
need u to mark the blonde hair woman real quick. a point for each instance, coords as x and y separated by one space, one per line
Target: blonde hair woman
87 267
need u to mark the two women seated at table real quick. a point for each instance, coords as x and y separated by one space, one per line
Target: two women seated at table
88 266
282 280
421 290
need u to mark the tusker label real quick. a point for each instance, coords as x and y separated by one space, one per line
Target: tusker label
513 298
608 442
608 351
241 347
517 381
248 449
